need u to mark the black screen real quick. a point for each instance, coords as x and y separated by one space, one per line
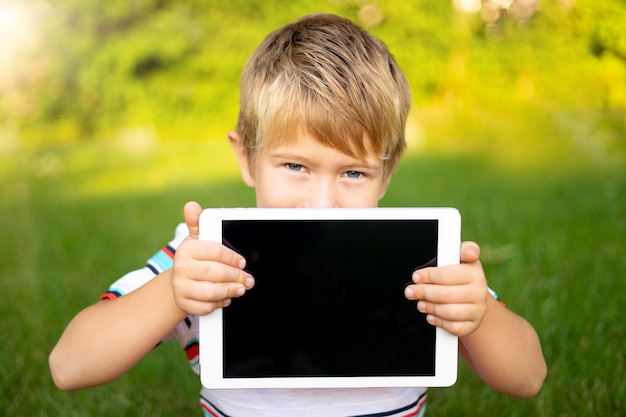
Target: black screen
329 299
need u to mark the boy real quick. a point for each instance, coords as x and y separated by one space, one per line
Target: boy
321 124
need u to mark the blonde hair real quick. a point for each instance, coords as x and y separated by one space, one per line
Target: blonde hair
324 74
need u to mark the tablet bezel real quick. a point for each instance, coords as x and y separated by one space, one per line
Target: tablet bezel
210 326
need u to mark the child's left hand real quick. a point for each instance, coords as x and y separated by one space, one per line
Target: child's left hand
453 297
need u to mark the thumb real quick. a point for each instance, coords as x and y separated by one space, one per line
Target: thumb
191 213
470 252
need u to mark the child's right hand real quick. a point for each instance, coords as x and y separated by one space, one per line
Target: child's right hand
206 275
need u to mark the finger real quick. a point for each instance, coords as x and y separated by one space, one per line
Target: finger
443 275
457 312
470 252
212 292
205 250
223 274
454 318
200 308
191 212
216 272
456 328
441 294
461 274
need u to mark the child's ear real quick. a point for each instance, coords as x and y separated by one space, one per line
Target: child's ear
242 157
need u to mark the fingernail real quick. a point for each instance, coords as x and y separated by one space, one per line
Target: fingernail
240 291
417 278
242 263
249 282
409 292
421 306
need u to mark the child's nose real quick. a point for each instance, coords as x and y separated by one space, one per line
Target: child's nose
322 194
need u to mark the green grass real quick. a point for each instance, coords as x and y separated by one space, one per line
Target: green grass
74 219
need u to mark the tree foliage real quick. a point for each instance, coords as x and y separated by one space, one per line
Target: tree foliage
173 66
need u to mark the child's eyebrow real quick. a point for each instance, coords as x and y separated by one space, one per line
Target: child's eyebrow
288 156
285 155
305 160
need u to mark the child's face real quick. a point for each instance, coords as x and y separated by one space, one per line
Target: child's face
306 173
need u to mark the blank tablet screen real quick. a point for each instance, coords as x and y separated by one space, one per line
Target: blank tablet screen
329 299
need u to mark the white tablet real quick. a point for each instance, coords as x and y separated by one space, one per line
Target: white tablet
328 307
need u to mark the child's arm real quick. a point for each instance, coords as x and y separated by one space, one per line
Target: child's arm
108 338
499 346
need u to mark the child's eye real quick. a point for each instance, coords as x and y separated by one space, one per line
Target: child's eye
354 174
294 167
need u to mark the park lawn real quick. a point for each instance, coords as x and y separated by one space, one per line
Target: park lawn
75 218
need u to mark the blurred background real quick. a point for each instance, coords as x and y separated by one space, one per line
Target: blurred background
114 114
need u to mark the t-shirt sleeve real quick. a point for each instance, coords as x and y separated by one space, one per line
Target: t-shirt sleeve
494 295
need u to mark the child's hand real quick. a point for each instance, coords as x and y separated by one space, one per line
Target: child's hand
453 297
207 275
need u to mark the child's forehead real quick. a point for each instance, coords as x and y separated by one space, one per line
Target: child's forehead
300 139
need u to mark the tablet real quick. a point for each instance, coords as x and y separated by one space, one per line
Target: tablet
328 307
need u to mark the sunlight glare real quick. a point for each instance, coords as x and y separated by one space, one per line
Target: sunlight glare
19 34
468 6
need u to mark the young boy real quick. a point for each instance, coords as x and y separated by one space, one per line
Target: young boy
321 124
